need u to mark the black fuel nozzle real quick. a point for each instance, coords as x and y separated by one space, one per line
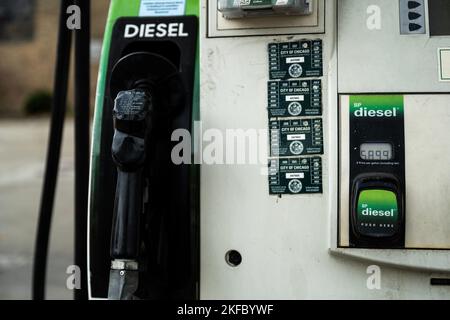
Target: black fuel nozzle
132 121
145 86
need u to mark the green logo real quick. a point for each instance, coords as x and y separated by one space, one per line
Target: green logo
377 213
377 206
365 112
376 106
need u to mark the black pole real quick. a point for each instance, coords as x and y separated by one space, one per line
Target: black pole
82 101
53 153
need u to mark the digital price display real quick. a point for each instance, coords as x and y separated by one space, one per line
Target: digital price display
376 151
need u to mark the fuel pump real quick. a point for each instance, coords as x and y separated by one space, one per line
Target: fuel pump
353 182
143 216
355 158
354 96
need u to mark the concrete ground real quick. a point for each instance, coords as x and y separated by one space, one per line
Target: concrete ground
23 145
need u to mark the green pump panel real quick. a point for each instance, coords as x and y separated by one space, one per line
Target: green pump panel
143 217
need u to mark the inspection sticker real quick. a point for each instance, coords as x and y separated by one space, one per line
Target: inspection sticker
161 8
296 137
293 60
295 176
295 98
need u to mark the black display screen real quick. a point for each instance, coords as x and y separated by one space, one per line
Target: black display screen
439 16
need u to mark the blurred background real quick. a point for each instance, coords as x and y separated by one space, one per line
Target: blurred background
28 33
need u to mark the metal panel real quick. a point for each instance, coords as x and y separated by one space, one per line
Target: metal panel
289 243
427 119
383 60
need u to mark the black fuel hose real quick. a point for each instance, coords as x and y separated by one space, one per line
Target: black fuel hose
53 153
82 101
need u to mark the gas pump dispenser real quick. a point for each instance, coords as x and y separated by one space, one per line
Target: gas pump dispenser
355 97
142 227
348 105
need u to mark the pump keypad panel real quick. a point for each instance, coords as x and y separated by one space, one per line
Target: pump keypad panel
412 16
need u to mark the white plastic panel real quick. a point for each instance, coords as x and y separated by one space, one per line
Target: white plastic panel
288 244
375 57
427 152
427 148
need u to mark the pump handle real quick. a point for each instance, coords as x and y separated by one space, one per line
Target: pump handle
127 209
132 114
